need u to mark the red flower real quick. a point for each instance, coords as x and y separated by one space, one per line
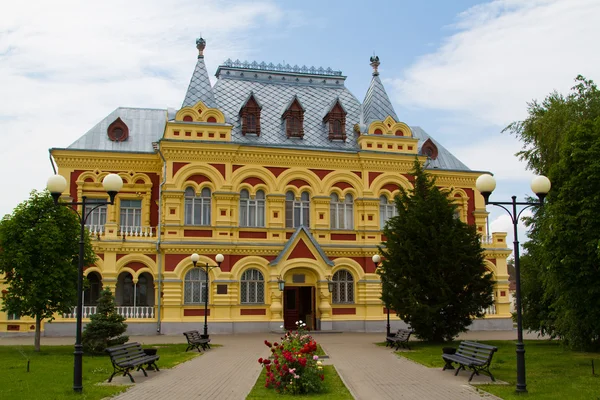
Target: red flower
322 377
260 360
267 362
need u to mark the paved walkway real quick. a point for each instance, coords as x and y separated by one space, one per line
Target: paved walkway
228 373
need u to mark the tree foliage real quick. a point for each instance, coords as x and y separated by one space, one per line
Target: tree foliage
106 326
39 245
561 281
433 271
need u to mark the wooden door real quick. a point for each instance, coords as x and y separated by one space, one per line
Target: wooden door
290 307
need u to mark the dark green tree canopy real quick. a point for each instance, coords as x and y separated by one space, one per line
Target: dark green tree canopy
39 253
561 292
106 327
433 271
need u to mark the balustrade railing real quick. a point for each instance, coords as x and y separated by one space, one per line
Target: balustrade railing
137 231
95 230
491 310
129 312
487 239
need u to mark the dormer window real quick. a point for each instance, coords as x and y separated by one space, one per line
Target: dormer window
118 131
250 116
336 120
429 149
294 119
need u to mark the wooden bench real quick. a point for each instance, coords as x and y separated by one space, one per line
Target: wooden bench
400 338
195 341
475 356
128 356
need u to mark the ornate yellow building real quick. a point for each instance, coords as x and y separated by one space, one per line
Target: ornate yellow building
283 171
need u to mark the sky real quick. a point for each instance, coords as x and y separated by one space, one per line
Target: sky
462 70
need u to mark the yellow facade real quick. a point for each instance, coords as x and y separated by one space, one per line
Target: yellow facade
199 152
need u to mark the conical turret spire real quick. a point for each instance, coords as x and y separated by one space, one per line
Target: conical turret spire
377 105
200 87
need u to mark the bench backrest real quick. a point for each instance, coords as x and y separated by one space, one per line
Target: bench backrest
403 334
475 350
125 352
192 336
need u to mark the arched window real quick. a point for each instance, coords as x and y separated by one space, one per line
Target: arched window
343 287
128 290
250 123
195 290
252 209
387 210
342 212
92 293
197 208
297 211
252 287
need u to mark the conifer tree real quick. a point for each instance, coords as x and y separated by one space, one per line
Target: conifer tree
106 326
433 270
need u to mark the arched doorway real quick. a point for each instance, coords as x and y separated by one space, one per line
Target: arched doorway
299 298
91 293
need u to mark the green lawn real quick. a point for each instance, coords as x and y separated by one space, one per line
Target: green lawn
552 372
336 390
50 373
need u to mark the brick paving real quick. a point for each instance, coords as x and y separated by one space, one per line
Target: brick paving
229 372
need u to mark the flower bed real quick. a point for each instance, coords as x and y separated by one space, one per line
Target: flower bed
295 368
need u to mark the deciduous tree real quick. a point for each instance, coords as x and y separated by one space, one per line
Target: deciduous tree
561 139
39 245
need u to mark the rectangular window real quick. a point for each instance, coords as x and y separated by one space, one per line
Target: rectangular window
13 317
131 213
96 217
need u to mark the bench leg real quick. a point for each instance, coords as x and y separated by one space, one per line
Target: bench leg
458 369
126 372
143 370
155 366
113 374
473 374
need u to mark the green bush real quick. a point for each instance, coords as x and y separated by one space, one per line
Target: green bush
106 326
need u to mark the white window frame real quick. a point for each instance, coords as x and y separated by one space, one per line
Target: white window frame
343 287
387 210
297 210
197 209
131 216
97 218
195 280
342 212
252 209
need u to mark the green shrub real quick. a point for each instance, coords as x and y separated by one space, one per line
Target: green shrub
106 326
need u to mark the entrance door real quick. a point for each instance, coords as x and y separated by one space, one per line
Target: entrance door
290 307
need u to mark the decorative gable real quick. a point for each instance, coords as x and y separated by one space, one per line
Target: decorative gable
301 245
336 121
250 116
294 119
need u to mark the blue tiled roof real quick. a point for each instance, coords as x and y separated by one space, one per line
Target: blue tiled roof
274 88
377 105
199 88
275 91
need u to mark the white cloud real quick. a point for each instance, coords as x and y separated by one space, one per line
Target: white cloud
502 222
504 54
64 65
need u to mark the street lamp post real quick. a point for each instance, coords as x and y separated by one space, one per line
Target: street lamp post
376 259
219 259
56 185
540 185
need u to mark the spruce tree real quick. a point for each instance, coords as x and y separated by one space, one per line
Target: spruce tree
433 270
106 326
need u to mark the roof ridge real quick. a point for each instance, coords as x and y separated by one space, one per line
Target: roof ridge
262 66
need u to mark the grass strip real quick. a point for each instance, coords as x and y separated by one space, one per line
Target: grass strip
50 373
335 388
553 372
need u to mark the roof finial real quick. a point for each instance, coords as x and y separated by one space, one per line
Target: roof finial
375 63
200 45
